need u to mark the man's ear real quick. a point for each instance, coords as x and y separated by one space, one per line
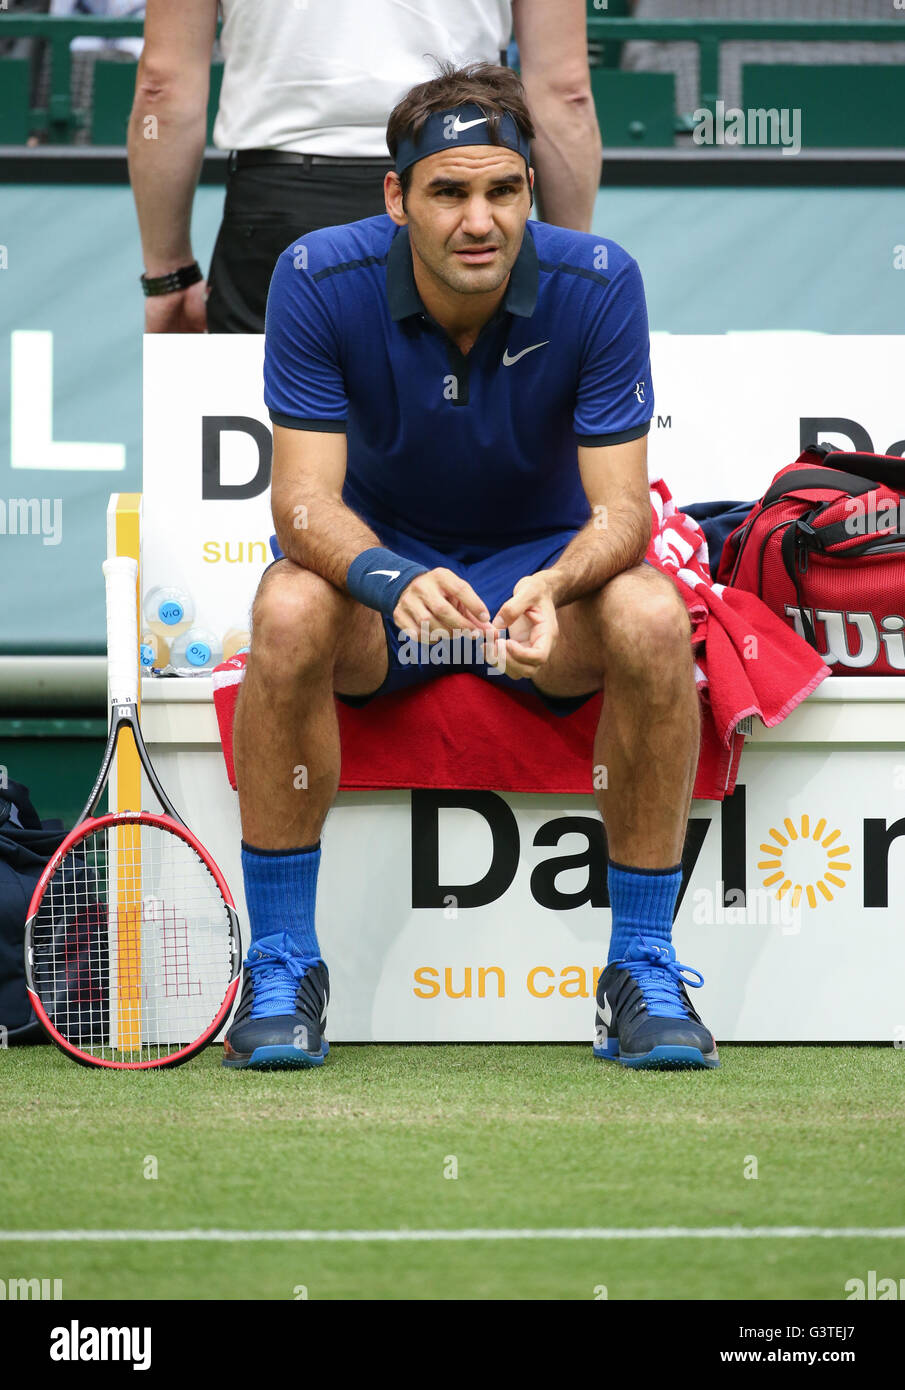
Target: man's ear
530 189
392 196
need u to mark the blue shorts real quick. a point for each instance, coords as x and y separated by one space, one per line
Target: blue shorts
493 574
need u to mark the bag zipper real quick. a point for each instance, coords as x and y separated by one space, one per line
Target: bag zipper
744 536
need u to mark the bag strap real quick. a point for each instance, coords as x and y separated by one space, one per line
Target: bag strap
888 469
16 794
792 545
839 531
814 478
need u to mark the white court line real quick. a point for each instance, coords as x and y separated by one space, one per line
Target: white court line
476 1233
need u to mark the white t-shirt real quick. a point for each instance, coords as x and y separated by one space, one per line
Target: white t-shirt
321 76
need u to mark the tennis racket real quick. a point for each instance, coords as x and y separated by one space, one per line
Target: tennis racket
132 947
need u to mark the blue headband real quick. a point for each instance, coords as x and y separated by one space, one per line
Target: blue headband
463 125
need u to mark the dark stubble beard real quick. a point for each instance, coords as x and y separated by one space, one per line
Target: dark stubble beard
462 280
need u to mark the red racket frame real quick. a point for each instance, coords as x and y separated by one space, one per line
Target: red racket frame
80 832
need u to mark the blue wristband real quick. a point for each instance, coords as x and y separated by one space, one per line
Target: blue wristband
378 576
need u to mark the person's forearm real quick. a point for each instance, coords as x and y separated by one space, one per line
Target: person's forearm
567 157
322 534
598 553
165 155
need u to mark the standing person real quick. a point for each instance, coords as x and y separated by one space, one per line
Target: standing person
454 332
303 106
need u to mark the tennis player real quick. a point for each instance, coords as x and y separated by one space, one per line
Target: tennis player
460 401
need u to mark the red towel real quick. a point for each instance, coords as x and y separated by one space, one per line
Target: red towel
460 731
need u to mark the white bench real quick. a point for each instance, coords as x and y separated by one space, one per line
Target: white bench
828 973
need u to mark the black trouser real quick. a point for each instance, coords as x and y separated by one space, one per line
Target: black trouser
267 207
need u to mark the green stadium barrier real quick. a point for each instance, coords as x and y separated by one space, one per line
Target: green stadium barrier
213 100
709 34
634 108
601 53
114 91
57 759
608 27
15 80
841 106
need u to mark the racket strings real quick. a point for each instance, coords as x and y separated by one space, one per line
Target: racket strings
132 944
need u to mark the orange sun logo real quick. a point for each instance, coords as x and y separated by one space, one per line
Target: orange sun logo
828 867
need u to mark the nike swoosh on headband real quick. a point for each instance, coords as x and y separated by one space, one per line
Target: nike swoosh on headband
458 124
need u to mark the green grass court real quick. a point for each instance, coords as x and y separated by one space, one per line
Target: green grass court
543 1137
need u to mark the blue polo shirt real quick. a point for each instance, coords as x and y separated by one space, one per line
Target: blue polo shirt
461 450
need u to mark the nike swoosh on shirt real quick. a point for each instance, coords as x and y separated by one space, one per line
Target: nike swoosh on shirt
509 361
458 124
391 574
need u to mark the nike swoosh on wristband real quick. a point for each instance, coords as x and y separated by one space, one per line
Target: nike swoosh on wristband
510 361
391 574
458 124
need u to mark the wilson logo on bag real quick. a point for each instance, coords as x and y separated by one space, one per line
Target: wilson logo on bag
825 549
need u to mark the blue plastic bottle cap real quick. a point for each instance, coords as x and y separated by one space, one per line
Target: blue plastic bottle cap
171 612
198 654
147 654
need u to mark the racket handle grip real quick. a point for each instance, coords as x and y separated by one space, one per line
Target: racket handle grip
121 577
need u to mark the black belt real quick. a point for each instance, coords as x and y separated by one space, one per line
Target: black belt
244 159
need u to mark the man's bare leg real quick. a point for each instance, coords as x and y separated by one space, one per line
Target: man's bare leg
636 632
306 638
305 635
648 737
633 639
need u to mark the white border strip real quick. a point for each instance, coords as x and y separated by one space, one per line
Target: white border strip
551 1233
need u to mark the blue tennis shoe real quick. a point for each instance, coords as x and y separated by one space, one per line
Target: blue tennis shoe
282 1011
644 1016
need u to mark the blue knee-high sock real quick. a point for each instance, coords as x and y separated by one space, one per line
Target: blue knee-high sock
643 903
280 890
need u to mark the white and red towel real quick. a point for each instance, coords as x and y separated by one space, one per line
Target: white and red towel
460 731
